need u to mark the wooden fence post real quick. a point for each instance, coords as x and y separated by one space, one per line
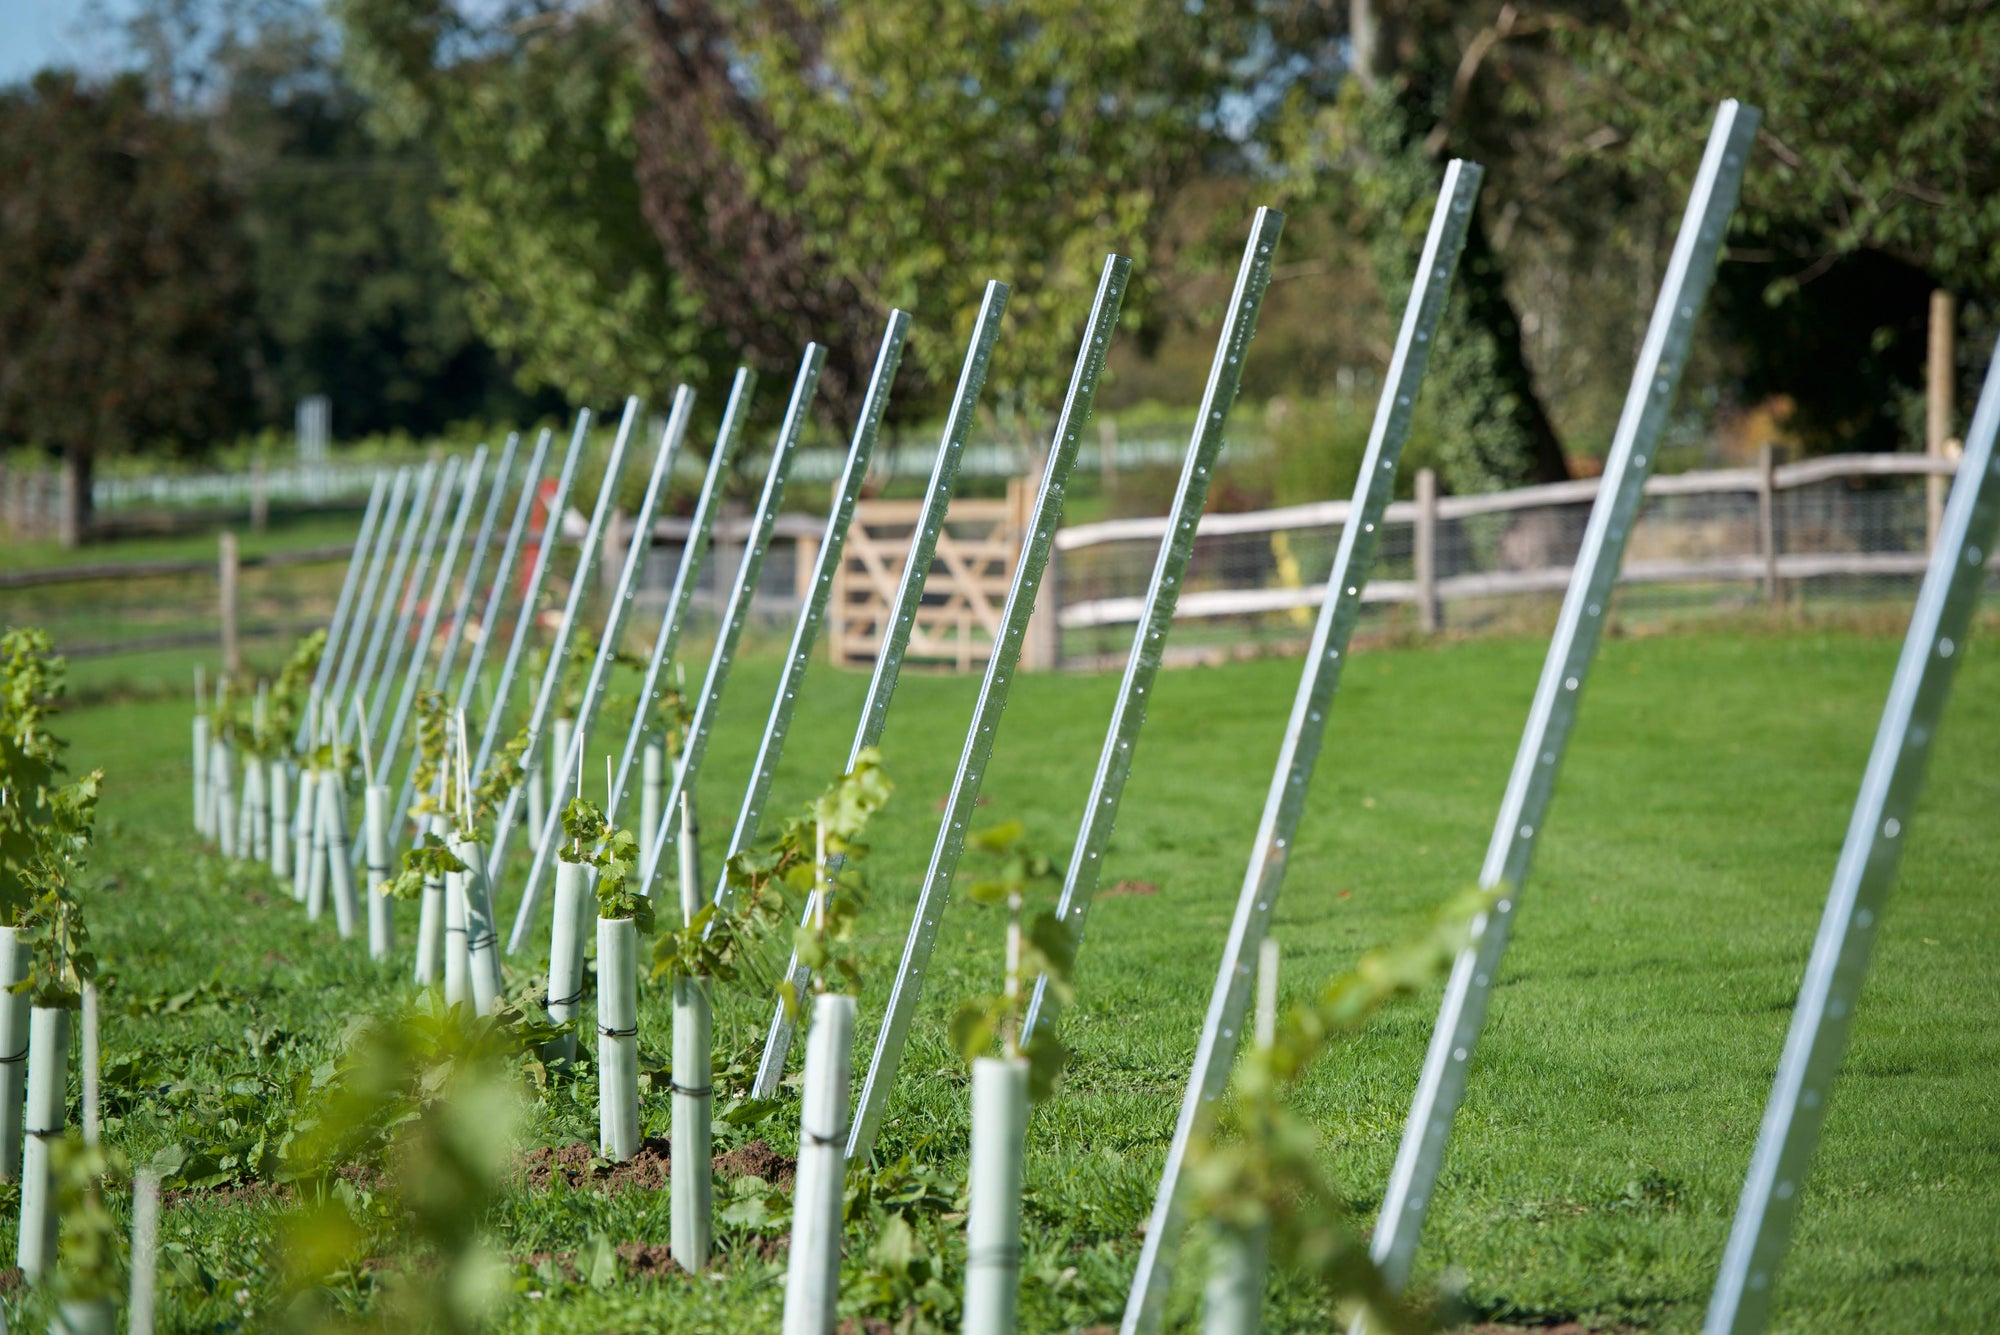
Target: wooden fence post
232 648
1938 384
1424 539
1767 520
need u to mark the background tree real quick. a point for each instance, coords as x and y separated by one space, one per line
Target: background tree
124 295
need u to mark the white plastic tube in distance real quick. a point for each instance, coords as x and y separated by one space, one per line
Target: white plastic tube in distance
652 782
993 1214
812 1276
690 1186
339 869
482 944
253 836
283 819
15 956
430 917
323 786
225 799
84 1316
617 1038
304 817
574 911
201 793
375 833
457 962
48 1084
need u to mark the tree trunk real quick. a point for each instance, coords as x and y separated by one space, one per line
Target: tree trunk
1495 430
73 516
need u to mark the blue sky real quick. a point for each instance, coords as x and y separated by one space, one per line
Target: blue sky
34 33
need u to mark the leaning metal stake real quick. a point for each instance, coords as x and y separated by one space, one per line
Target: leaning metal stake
805 630
935 891
1318 684
1531 786
693 553
336 629
902 619
661 842
1142 664
579 588
549 839
1741 1304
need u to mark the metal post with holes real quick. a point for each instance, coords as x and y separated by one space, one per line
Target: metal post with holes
343 607
386 604
571 761
579 589
661 842
1149 638
693 553
363 611
1741 1303
413 591
434 606
1531 786
524 622
1284 803
475 472
805 631
902 619
495 594
934 893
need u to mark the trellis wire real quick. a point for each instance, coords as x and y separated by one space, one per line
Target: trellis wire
571 759
524 622
1304 732
1741 1303
336 629
579 588
935 890
784 700
1142 665
909 596
363 610
413 591
693 553
1440 1087
496 592
661 841
389 596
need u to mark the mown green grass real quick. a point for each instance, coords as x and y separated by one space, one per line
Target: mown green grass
1614 1100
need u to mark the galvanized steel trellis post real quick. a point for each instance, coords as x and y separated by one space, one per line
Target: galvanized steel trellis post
693 553
427 631
579 588
1142 665
496 591
336 629
363 610
524 623
385 605
1741 1303
1304 732
992 700
550 835
784 700
413 591
1690 272
662 841
902 618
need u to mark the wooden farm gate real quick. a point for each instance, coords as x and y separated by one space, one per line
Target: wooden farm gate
963 596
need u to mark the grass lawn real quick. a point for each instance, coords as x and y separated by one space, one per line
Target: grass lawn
1613 1104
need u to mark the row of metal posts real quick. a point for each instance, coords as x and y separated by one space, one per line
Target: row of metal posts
393 521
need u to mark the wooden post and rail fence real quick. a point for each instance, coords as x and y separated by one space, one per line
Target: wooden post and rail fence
974 565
